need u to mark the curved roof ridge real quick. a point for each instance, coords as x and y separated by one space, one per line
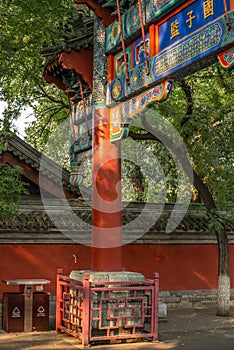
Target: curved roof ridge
49 168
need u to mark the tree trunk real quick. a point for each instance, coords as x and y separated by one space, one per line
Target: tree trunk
224 284
223 274
137 181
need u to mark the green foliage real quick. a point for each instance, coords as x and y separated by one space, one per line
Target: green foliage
215 223
11 186
208 128
25 29
4 132
136 180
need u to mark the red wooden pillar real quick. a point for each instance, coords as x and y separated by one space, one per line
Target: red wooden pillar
107 207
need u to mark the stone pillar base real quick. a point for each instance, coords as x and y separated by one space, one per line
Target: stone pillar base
118 276
96 276
118 306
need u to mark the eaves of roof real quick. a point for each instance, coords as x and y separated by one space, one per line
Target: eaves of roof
45 165
34 224
80 37
106 10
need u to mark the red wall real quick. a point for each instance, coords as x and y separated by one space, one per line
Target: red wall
40 261
180 267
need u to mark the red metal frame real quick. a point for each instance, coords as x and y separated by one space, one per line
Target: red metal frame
103 311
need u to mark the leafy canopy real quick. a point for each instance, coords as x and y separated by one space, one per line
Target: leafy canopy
11 186
205 120
25 28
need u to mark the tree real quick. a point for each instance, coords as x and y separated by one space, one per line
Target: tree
11 184
24 31
204 118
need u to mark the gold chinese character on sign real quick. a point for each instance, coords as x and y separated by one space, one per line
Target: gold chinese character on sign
208 8
190 19
174 29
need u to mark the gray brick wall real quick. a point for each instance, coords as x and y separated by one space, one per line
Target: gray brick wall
189 298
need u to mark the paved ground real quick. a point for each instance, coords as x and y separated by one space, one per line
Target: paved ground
186 328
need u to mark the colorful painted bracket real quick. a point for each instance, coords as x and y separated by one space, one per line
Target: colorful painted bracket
123 114
79 113
226 59
76 176
153 10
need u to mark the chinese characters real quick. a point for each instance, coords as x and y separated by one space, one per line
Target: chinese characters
208 8
190 18
174 29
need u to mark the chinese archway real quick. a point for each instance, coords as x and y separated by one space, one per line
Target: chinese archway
115 64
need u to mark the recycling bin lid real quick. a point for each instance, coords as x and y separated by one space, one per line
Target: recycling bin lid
27 281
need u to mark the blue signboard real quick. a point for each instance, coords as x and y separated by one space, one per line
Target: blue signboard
189 51
184 42
194 17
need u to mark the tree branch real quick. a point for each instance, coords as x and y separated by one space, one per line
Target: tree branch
182 155
142 137
49 120
51 98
